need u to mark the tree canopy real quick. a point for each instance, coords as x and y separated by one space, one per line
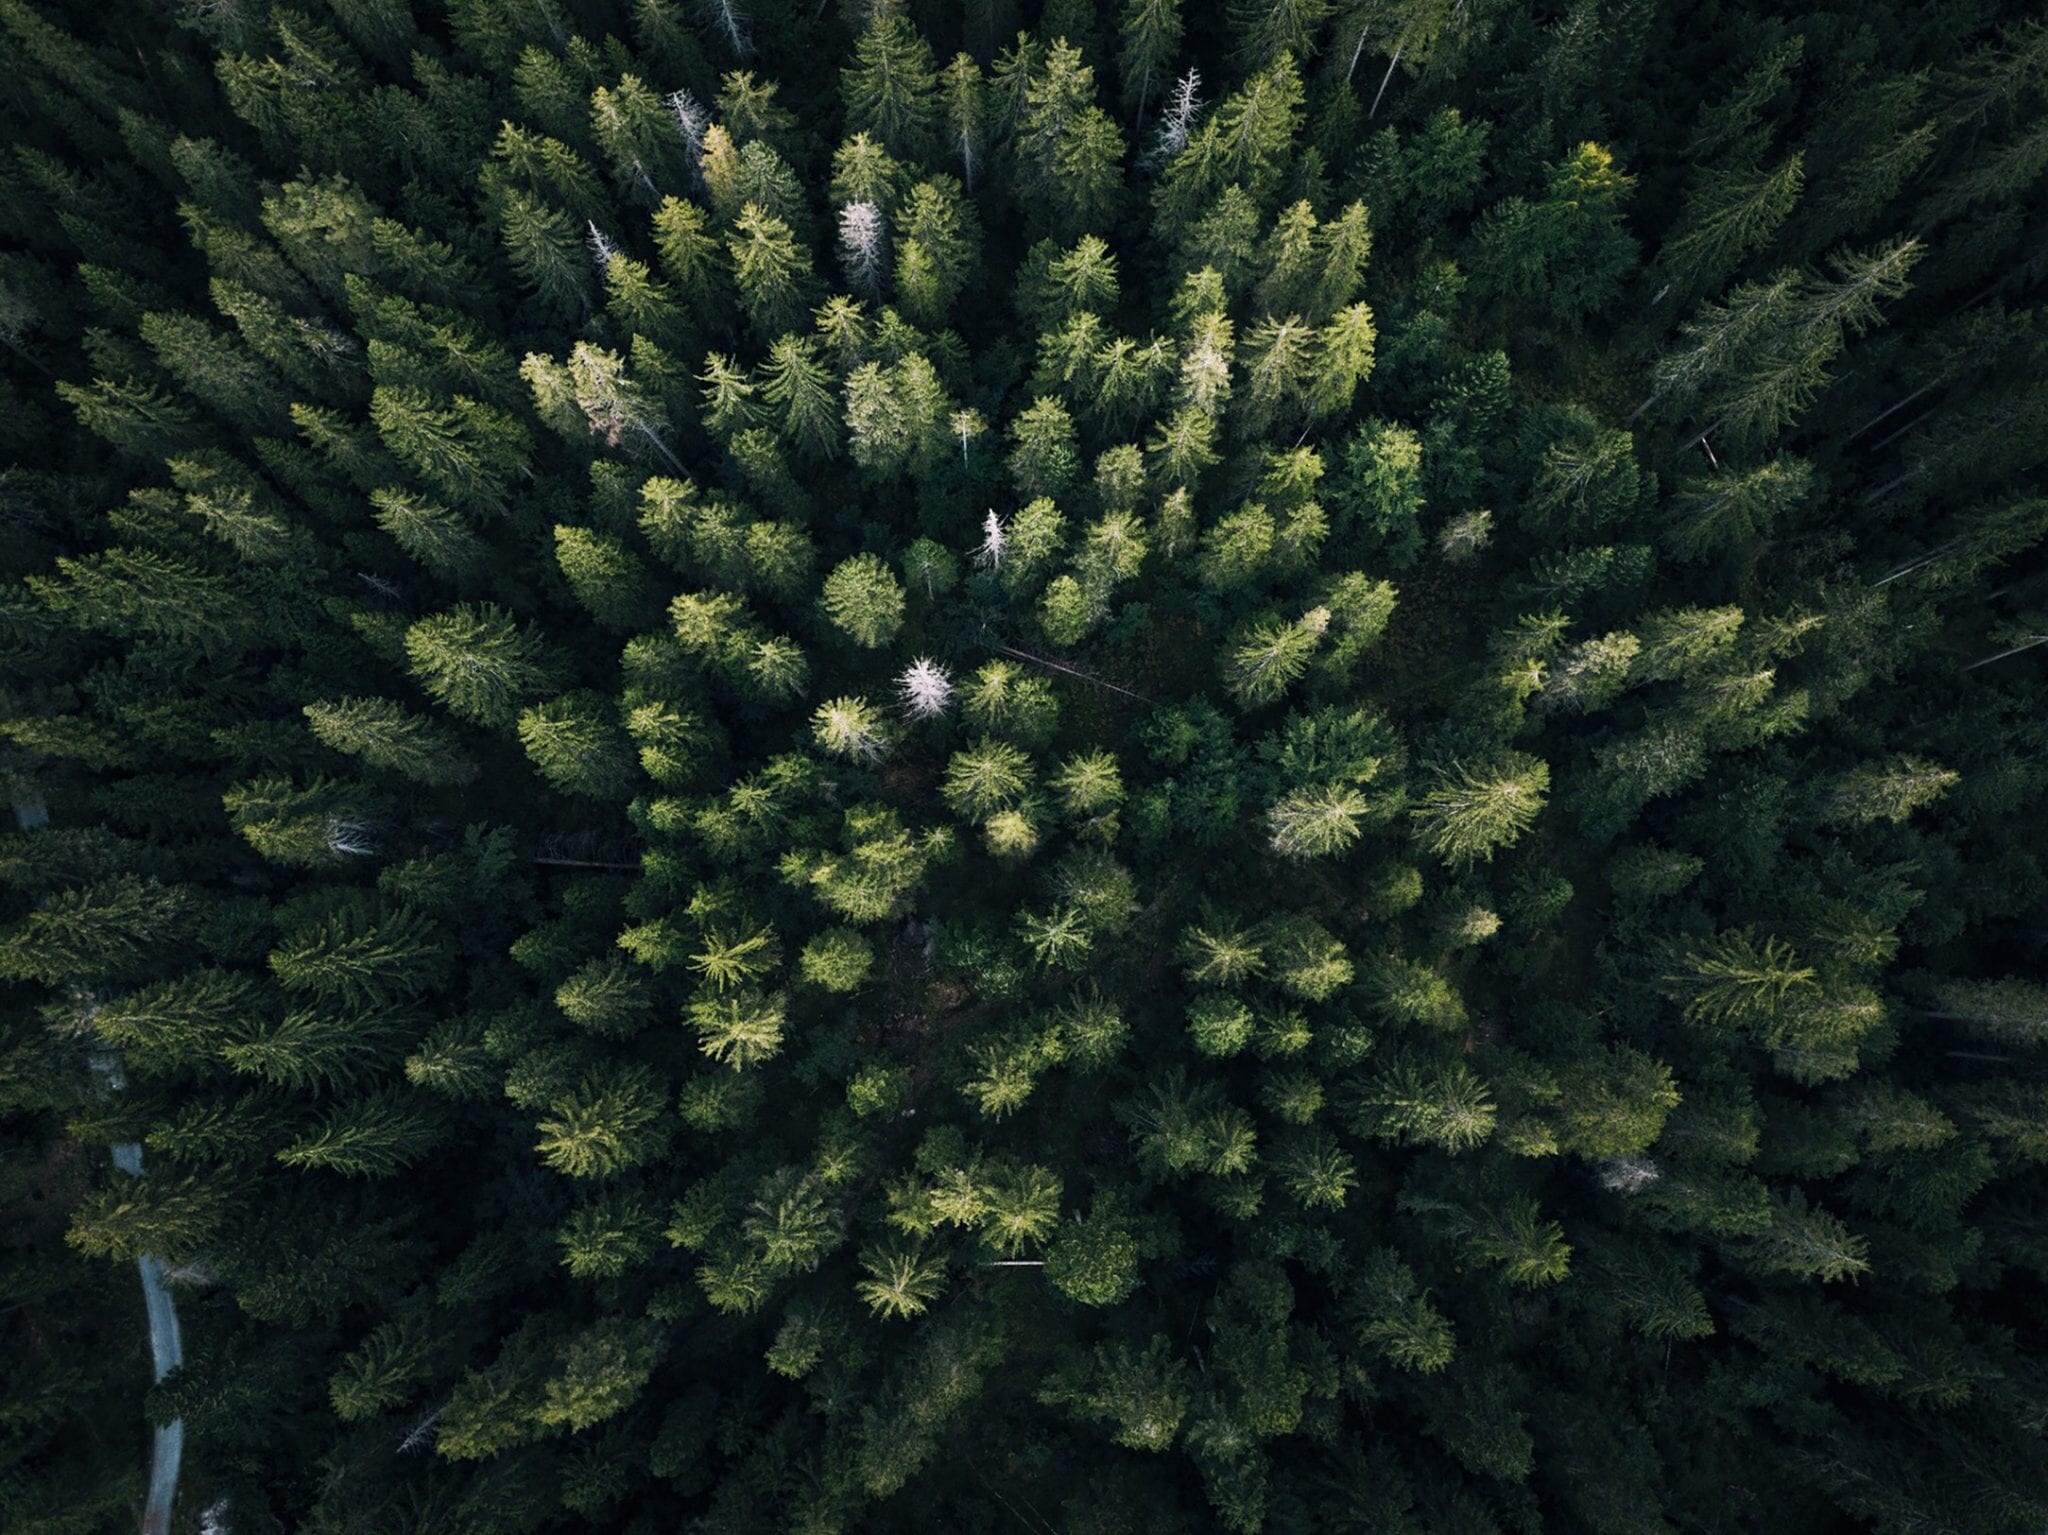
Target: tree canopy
1117 765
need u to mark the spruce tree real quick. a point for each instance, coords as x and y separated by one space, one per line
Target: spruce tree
477 662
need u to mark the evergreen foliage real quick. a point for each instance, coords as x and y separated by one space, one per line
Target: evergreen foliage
1115 765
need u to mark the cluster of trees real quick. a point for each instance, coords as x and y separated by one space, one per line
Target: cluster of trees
1114 765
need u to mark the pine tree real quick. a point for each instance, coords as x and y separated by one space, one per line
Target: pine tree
1731 214
392 739
138 593
1472 812
1733 980
169 1218
1889 791
838 959
823 963
1318 821
610 1121
635 130
1273 655
891 89
851 728
216 369
896 416
1151 31
185 1018
1094 1258
1382 486
863 597
1043 458
901 1283
938 243
988 777
109 930
375 1137
1808 1241
439 539
612 582
1723 511
357 959
641 305
593 393
1141 1399
771 271
545 248
1269 29
1244 142
2010 1009
464 449
1568 250
477 663
796 383
963 105
1282 361
739 1031
691 256
575 743
382 1373
1064 143
606 997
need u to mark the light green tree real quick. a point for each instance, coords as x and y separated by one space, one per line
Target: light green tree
1472 812
863 597
389 737
478 663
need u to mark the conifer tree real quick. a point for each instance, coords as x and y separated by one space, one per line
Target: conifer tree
575 743
611 581
1151 31
1471 811
608 1122
771 271
477 662
1569 249
891 88
863 597
594 393
99 931
464 449
389 737
937 246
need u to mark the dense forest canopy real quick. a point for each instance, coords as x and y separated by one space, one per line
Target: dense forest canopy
1104 766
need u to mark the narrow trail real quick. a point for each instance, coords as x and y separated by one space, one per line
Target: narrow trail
166 1346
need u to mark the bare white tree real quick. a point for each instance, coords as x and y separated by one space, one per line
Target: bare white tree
691 122
994 541
926 688
731 21
1628 1175
422 1433
863 242
1177 121
348 837
601 249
